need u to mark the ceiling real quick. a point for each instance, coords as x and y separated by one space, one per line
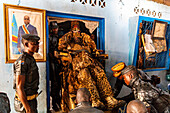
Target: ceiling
165 2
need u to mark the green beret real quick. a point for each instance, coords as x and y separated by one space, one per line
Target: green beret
31 37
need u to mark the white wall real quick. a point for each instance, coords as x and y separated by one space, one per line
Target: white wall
117 16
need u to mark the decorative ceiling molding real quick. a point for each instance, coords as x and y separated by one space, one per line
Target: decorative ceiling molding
165 2
100 3
147 12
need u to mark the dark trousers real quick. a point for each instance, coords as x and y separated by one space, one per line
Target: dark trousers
19 108
55 84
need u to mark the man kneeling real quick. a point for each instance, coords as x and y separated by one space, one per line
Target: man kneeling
83 99
151 96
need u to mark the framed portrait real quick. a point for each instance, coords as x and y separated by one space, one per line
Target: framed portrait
159 29
158 35
19 20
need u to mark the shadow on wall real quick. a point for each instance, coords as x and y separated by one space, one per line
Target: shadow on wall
114 58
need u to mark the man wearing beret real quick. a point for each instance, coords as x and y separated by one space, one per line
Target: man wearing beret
26 76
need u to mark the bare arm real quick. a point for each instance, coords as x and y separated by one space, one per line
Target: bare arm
20 81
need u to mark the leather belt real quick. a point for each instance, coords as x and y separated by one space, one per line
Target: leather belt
31 97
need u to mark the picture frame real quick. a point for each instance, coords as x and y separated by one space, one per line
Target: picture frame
158 35
159 29
19 20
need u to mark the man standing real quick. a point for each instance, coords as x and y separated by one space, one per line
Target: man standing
26 28
54 66
26 76
83 99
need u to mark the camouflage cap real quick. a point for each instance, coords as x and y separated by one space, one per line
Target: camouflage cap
31 37
118 68
127 69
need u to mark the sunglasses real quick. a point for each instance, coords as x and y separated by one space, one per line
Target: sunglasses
34 43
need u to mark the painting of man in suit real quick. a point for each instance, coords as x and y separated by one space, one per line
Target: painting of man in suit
26 28
20 21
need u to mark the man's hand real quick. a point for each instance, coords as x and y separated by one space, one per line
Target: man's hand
29 110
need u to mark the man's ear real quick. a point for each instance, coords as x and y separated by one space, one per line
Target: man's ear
26 44
131 75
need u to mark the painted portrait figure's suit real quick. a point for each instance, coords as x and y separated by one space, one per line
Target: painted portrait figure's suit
25 29
82 70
